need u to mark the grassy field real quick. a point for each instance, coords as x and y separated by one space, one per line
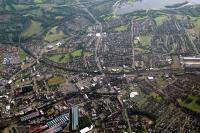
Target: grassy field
50 111
196 22
55 80
131 1
76 53
190 103
59 58
59 17
121 28
34 28
112 17
197 25
145 40
137 18
160 19
34 13
22 55
139 50
54 35
161 82
66 57
21 7
180 17
38 1
156 96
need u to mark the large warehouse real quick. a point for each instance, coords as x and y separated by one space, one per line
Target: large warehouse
190 62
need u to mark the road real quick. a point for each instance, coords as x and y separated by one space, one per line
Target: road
98 41
189 36
30 65
127 120
132 44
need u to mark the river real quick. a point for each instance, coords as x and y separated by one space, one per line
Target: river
128 7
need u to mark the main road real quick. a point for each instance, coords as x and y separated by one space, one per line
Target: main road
98 41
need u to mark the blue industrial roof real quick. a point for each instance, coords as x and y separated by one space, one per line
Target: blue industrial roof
62 119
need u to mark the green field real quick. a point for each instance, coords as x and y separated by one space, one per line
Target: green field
76 53
22 55
34 13
190 103
33 29
131 1
66 57
54 35
196 22
50 111
161 82
145 40
121 28
38 1
112 17
156 96
160 19
59 17
21 7
55 80
59 58
137 18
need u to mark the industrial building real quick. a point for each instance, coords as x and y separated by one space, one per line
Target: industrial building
190 62
27 88
30 116
75 116
55 125
60 120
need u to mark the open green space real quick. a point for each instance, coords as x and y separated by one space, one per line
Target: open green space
84 121
56 80
161 82
59 17
121 28
131 1
21 6
8 8
54 35
156 96
192 103
137 18
33 29
39 1
139 50
1 67
59 58
180 17
50 111
111 17
76 53
160 19
47 7
34 13
145 40
25 74
22 55
196 22
63 58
